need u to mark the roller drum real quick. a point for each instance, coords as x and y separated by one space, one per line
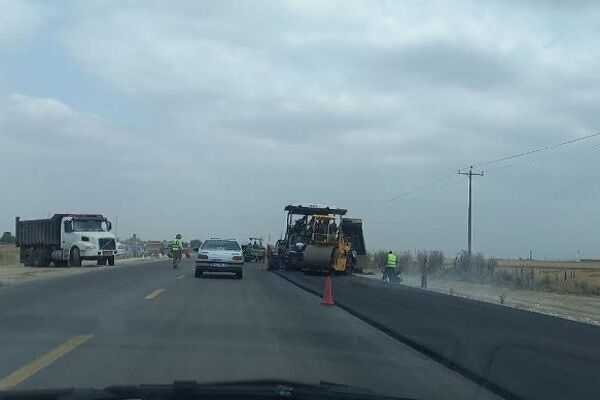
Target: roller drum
318 256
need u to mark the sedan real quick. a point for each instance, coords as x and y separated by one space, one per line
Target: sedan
220 255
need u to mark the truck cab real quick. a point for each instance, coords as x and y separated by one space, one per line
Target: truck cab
91 236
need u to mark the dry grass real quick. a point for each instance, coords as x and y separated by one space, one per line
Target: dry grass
9 255
549 264
565 279
560 276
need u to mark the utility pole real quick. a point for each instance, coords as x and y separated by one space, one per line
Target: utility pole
470 174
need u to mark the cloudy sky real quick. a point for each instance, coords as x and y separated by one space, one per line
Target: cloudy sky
207 118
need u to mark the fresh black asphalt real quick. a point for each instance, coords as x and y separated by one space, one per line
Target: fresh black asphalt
515 352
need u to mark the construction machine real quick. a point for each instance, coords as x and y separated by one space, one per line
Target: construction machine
318 239
254 251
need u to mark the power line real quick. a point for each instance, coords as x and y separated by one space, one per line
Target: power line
427 187
545 148
418 189
532 160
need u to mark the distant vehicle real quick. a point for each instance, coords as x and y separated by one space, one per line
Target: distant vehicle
254 251
220 255
66 239
156 248
122 249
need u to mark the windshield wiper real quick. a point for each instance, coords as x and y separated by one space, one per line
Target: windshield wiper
183 390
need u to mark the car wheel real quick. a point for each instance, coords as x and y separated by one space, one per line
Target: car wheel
111 260
239 275
198 274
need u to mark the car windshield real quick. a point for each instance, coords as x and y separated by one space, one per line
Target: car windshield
88 225
395 195
220 245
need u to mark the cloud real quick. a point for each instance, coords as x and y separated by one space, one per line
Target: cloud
18 21
329 101
50 131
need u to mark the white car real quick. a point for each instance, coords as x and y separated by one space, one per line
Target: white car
220 255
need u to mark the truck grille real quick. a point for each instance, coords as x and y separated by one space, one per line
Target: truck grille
107 244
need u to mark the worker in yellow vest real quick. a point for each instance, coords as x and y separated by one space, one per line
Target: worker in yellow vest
389 271
176 250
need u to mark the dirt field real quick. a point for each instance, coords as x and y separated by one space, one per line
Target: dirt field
567 276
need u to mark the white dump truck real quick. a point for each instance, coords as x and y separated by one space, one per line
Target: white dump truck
66 239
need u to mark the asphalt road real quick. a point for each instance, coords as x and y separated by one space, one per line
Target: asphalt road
151 324
529 355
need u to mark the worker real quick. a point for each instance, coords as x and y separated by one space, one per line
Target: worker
311 227
300 224
389 271
176 250
424 272
333 228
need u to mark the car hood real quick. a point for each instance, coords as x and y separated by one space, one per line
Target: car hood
193 390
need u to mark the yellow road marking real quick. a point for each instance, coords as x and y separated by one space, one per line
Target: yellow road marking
181 276
33 367
154 294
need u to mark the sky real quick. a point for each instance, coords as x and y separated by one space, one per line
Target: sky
207 118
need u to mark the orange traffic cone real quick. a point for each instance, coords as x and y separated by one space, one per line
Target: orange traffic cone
328 293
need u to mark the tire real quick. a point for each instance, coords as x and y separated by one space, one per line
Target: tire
111 260
75 258
239 275
60 264
101 261
198 274
28 258
40 259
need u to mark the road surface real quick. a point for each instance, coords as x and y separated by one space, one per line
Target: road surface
526 354
152 324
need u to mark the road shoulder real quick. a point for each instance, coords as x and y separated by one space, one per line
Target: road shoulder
16 274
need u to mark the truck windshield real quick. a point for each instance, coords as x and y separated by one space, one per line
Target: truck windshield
86 225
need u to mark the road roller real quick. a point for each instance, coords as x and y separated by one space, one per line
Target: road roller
319 239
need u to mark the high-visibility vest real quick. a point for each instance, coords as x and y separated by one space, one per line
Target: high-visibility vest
391 260
176 245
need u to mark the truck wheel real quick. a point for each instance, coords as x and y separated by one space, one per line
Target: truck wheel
111 260
60 264
28 258
101 261
75 259
40 258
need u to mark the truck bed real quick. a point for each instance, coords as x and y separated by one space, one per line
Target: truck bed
38 232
